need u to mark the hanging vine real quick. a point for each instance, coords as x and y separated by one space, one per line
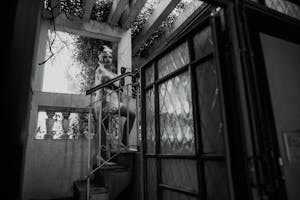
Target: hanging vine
88 49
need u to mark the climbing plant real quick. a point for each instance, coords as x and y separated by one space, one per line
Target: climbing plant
88 49
87 52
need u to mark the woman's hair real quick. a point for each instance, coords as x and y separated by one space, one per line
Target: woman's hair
106 52
108 63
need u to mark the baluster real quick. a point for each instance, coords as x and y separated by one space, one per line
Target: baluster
100 131
137 117
119 120
89 148
127 116
49 125
109 135
65 125
82 125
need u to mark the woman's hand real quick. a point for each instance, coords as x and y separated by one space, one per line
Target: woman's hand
106 72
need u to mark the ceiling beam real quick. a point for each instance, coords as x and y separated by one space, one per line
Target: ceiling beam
131 12
186 17
163 9
116 11
92 28
88 7
191 9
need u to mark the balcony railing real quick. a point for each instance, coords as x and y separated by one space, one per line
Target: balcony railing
62 123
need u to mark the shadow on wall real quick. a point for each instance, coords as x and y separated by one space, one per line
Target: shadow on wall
52 167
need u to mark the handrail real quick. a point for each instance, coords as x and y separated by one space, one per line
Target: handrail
107 83
109 93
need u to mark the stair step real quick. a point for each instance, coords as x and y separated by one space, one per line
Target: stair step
81 186
103 196
96 193
114 167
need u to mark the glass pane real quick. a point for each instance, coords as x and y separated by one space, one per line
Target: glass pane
170 195
150 131
285 7
176 122
149 75
203 43
151 179
180 173
210 108
173 60
216 180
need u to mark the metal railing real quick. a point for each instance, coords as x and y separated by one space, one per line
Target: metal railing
115 110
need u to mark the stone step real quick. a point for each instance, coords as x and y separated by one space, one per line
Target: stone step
114 167
96 192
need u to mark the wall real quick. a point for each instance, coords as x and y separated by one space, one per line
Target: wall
18 58
124 51
51 166
136 187
282 60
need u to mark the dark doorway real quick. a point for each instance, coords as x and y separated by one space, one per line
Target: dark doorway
275 45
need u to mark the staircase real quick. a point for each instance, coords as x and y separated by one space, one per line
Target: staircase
112 176
108 182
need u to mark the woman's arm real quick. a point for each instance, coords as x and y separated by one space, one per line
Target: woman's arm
107 73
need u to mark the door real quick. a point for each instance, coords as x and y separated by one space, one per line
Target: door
282 62
277 70
184 148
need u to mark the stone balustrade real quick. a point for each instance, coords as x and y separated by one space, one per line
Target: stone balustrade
62 123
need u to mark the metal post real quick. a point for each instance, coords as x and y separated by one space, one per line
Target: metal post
100 131
89 149
137 117
109 132
127 116
119 120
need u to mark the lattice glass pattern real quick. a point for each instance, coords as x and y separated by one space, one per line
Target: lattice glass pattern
216 180
173 60
149 75
170 195
175 110
203 43
151 179
210 108
150 131
180 173
285 7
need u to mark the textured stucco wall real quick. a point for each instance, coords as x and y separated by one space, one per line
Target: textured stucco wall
51 166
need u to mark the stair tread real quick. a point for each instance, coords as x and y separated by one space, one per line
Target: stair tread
114 167
81 186
128 151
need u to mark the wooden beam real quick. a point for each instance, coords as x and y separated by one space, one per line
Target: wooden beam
191 9
185 18
92 28
131 12
164 8
116 11
88 7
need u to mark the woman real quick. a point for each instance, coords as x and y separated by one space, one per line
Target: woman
107 101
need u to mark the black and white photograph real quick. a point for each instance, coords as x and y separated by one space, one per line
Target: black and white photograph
151 100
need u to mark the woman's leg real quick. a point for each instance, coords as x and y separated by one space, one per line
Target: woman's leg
129 121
